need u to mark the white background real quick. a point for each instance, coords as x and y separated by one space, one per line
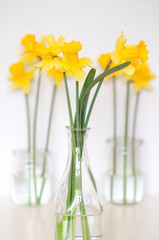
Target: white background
96 24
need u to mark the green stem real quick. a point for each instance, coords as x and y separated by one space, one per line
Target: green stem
114 136
68 100
71 184
29 149
50 118
84 221
77 106
74 175
47 141
134 132
95 96
115 124
77 116
125 144
34 135
133 142
72 172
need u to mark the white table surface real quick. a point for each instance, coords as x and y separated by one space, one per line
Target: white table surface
136 222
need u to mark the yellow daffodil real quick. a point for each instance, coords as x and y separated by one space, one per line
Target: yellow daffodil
141 77
104 60
71 62
50 53
33 50
33 47
20 78
131 52
28 41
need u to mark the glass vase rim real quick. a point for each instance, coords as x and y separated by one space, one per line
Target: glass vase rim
138 141
78 129
24 151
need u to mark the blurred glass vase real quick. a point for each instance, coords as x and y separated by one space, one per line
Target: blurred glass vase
124 180
31 178
78 211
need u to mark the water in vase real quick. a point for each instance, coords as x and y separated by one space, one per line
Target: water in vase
114 188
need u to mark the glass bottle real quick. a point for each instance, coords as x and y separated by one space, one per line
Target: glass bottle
31 178
78 211
124 180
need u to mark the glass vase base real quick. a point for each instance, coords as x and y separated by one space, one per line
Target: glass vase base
81 238
65 224
23 189
92 238
124 190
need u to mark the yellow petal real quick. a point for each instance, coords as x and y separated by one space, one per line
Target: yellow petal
120 43
48 64
129 70
40 64
43 40
152 75
17 68
56 74
115 57
60 41
51 40
148 85
59 65
79 74
104 59
28 39
85 61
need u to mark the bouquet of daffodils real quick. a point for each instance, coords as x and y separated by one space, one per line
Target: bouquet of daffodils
138 74
22 75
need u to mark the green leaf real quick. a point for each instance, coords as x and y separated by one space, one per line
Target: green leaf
87 82
89 79
101 77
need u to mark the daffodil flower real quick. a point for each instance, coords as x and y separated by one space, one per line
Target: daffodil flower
70 62
20 78
141 77
131 52
30 54
50 53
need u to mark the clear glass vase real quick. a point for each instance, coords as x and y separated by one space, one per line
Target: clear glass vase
31 178
78 211
124 180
